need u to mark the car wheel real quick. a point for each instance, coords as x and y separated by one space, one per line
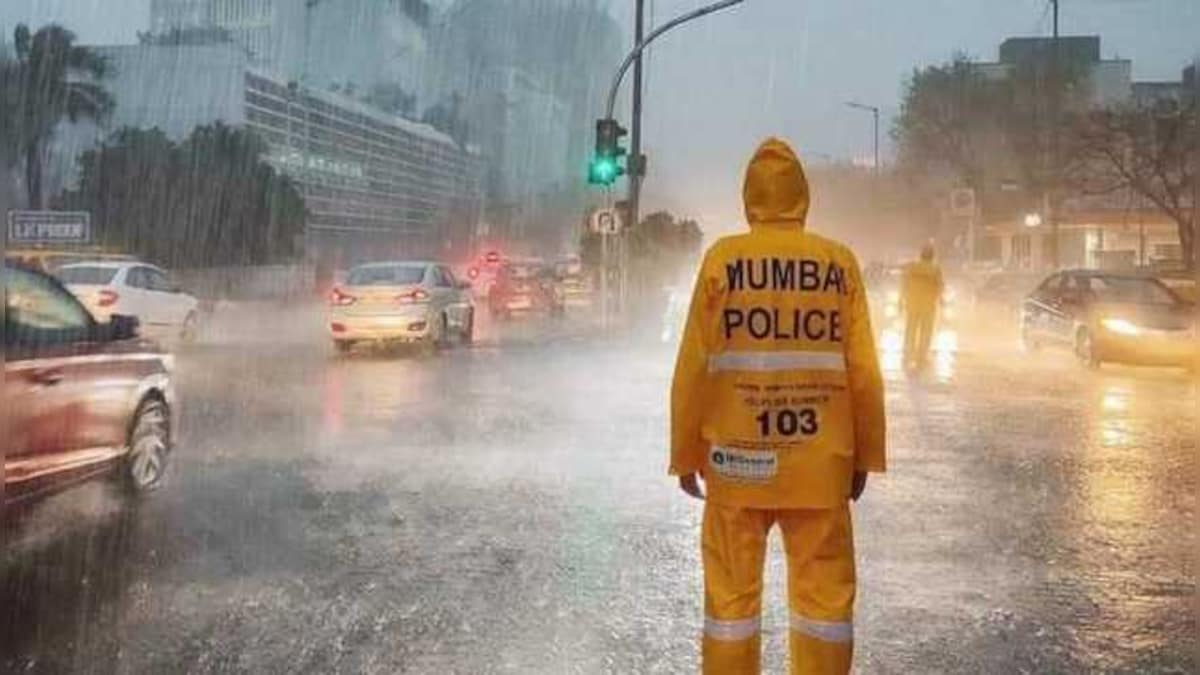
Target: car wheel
149 447
187 333
1085 349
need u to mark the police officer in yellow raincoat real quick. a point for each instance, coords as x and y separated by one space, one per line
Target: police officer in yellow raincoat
777 404
920 294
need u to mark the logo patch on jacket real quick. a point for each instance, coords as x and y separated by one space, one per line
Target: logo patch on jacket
746 465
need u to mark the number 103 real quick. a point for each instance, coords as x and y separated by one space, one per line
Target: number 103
788 422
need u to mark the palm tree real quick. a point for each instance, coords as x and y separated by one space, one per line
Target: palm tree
50 80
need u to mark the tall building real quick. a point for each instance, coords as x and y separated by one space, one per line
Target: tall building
1101 82
528 78
345 45
374 184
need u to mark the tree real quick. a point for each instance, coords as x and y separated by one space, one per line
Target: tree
948 121
1005 130
50 80
970 124
208 201
1148 151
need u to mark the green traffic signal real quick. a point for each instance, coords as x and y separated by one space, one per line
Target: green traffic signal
605 167
604 171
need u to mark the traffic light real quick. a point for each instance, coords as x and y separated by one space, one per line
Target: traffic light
605 167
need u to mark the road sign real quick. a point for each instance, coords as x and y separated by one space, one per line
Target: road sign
962 202
606 221
49 227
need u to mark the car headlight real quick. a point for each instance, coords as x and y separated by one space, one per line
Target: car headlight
893 297
1121 326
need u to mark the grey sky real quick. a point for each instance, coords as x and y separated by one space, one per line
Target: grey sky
784 67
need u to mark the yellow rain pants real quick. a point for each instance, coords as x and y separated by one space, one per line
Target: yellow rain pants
820 560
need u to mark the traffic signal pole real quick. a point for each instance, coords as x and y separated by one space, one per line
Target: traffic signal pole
636 166
1055 103
1195 110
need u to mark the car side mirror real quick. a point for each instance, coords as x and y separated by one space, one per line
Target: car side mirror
123 327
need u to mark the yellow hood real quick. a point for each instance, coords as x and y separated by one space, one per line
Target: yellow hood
776 190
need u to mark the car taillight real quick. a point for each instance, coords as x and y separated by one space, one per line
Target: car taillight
339 298
473 273
412 297
107 298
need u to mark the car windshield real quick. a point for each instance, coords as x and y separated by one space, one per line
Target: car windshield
386 275
85 275
1131 290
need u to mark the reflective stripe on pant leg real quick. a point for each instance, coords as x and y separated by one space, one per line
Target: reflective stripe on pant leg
821 587
826 631
731 630
733 544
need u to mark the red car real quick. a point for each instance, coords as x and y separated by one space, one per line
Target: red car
523 287
82 399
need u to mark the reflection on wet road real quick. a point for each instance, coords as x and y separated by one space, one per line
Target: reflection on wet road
505 509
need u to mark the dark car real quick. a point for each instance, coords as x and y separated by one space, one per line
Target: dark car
1107 317
524 287
82 399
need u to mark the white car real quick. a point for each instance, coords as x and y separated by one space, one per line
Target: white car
136 289
406 302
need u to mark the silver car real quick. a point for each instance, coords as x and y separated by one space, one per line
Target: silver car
416 302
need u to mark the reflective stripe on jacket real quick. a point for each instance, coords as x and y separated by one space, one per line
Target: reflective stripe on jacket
777 397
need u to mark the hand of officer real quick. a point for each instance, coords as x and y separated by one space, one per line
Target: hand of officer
690 484
858 485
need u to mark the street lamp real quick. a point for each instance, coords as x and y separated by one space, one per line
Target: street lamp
874 110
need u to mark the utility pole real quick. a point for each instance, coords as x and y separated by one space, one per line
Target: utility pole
636 166
1053 177
1195 115
635 126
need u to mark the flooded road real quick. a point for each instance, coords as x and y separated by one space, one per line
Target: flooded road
505 509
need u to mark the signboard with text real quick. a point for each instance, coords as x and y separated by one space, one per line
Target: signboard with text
606 221
49 227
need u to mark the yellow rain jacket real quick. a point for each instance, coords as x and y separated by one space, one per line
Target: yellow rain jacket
922 286
777 397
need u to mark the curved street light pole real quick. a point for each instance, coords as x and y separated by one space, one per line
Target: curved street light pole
638 48
635 160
